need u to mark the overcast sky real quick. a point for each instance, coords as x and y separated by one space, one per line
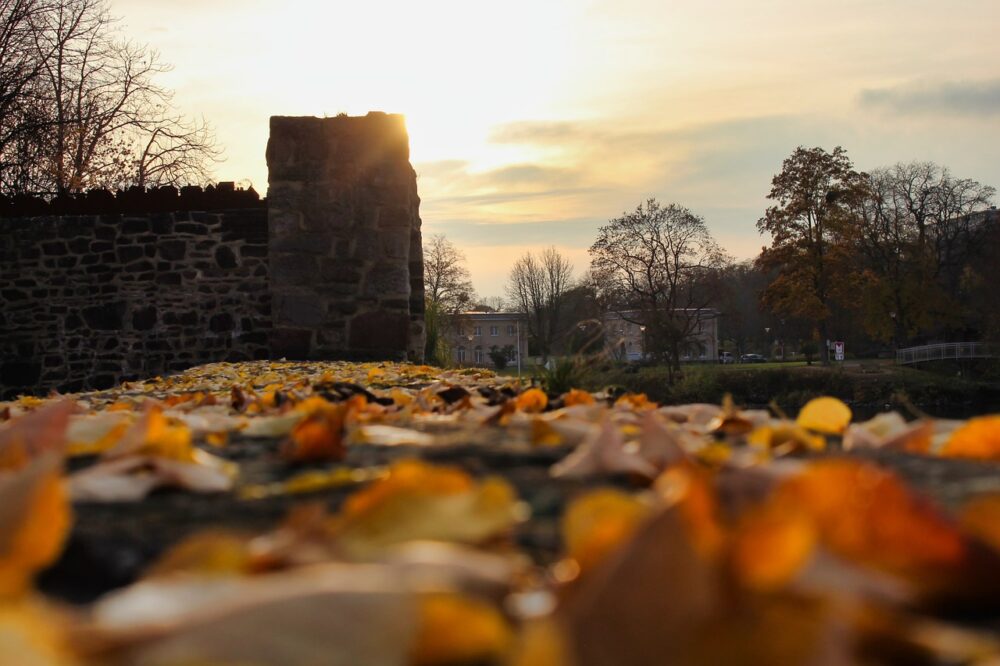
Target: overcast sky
533 122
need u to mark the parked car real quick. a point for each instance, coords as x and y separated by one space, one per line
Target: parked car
752 358
726 357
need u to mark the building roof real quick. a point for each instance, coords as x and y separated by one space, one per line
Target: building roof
475 314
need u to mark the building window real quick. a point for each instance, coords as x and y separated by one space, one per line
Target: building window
461 354
479 355
510 329
494 331
478 330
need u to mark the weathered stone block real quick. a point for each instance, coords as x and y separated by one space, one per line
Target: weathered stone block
379 331
292 343
303 310
387 280
105 317
173 250
226 257
144 319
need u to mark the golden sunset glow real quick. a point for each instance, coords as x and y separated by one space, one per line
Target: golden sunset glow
533 123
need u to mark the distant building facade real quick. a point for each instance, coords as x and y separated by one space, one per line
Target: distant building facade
625 336
473 335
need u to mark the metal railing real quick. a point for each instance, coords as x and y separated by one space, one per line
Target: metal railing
945 350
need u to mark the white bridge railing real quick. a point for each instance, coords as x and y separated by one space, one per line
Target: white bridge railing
945 350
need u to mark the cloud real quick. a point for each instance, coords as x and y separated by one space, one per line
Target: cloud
964 98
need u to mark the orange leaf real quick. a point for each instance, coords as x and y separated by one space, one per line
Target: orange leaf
598 523
978 438
577 397
532 401
771 544
459 630
635 401
866 514
316 437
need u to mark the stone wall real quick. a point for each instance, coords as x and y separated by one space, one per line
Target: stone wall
345 247
90 300
97 288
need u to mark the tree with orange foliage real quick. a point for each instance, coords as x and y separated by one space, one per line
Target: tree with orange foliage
817 197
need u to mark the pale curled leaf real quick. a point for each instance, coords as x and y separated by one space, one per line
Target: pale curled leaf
133 477
350 614
603 453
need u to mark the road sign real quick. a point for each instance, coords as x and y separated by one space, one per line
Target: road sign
838 351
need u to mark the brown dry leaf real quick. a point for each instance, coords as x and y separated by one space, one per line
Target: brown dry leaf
417 501
660 601
890 431
980 517
27 436
454 629
663 444
599 522
658 574
35 518
343 615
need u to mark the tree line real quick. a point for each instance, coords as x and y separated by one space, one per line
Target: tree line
901 255
81 106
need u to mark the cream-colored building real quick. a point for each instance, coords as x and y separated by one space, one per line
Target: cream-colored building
474 334
625 336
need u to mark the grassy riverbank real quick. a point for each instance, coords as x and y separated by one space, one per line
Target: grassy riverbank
868 386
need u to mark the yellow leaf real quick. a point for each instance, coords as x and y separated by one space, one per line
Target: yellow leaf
786 436
209 552
31 636
459 630
543 434
826 415
417 501
34 521
542 643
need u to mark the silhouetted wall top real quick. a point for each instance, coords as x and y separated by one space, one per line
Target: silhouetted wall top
223 196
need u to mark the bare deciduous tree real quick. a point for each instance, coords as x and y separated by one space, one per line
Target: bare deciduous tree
536 286
447 283
91 113
657 267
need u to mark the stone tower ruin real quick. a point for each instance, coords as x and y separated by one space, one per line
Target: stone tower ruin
346 261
